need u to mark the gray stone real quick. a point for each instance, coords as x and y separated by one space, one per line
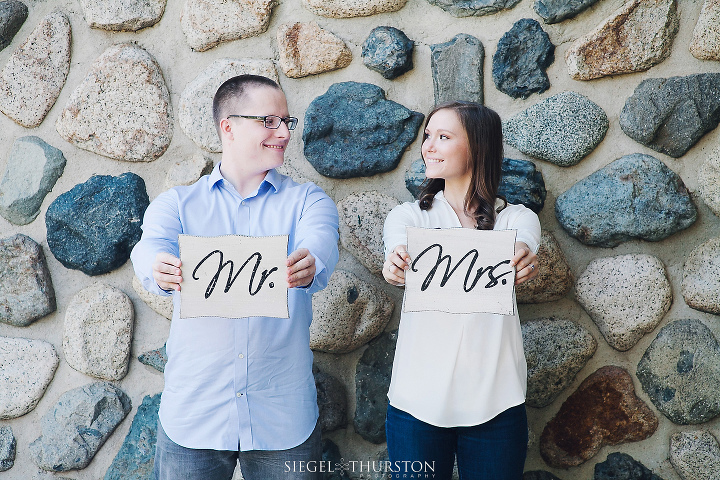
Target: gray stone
77 426
332 401
30 174
709 181
695 455
159 303
188 171
554 11
468 8
621 466
457 69
670 115
306 49
353 131
705 43
121 109
348 314
331 456
388 51
136 457
362 216
94 226
372 380
521 182
26 289
98 332
539 475
353 8
636 196
635 37
122 15
555 350
562 129
554 279
7 448
156 359
35 73
624 315
522 56
195 110
680 371
26 369
206 23
13 14
700 280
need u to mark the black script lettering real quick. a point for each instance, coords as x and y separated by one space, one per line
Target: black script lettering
473 254
231 278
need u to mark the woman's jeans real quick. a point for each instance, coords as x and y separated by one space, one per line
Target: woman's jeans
494 450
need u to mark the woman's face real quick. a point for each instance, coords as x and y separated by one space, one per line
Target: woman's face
445 147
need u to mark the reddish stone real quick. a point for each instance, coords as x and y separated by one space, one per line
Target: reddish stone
603 411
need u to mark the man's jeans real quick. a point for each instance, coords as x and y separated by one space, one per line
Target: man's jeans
173 462
494 450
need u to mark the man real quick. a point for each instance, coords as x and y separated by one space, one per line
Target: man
241 389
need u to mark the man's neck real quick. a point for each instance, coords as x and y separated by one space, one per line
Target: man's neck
245 182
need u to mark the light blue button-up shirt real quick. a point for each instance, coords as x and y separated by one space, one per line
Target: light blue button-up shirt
241 383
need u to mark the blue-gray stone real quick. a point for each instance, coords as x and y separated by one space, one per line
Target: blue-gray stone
539 475
621 466
77 426
680 372
13 14
468 8
335 464
521 182
30 174
331 400
389 51
372 380
522 56
155 358
457 69
562 129
7 448
94 226
136 457
554 11
353 131
670 115
636 196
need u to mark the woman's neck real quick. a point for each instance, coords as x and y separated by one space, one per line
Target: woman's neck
455 192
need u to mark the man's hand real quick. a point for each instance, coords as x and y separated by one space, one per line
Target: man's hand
166 271
525 262
395 266
300 268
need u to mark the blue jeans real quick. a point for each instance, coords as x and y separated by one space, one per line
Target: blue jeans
173 462
494 450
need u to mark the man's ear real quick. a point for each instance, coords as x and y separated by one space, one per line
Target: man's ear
226 128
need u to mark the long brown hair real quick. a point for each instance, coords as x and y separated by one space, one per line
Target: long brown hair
484 132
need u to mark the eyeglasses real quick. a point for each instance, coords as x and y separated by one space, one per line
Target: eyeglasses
271 121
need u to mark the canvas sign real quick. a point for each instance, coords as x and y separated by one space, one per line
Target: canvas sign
460 270
233 276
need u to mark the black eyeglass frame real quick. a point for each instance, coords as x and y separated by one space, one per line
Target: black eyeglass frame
291 122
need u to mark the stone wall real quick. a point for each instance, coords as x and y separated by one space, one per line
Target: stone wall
609 110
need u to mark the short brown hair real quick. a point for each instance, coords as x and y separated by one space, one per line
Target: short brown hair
234 89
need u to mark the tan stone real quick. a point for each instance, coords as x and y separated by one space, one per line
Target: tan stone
32 79
352 8
705 43
161 304
121 109
709 181
633 39
554 279
306 49
188 171
122 15
207 23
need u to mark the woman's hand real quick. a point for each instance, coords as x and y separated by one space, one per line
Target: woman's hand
395 266
525 262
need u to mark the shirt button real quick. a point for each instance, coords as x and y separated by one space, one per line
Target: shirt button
239 394
241 356
242 203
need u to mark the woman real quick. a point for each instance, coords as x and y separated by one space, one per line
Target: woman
459 381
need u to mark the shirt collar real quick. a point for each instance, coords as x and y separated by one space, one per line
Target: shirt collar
273 178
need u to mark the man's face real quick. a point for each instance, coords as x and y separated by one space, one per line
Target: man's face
259 148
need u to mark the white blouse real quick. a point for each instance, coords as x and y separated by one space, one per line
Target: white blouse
457 370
